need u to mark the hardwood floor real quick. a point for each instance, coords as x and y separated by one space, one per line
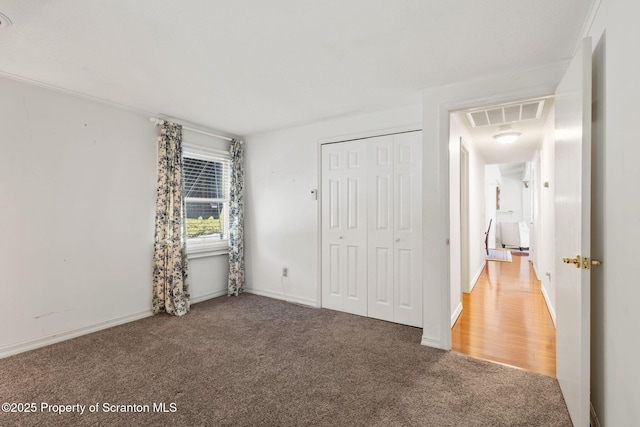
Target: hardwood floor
505 319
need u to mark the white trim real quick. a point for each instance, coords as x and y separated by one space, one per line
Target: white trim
319 225
477 276
588 23
552 312
206 252
432 343
209 296
71 333
370 134
283 297
456 314
535 269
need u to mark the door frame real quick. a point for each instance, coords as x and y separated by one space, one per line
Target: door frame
438 104
465 277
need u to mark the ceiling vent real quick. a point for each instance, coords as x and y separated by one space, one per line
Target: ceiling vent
506 114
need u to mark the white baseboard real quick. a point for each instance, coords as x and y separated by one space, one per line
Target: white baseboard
593 418
456 314
71 333
552 311
477 276
281 296
426 341
535 270
208 296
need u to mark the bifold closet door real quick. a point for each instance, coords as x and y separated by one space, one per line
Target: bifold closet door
344 227
394 208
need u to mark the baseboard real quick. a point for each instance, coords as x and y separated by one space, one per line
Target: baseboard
426 341
593 418
552 311
281 296
208 296
477 276
535 270
69 334
456 314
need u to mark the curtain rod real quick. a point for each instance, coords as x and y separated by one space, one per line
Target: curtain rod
158 122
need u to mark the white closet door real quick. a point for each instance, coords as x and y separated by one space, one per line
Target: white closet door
407 202
344 231
395 228
380 203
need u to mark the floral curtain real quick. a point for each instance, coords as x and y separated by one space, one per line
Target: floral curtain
236 220
170 268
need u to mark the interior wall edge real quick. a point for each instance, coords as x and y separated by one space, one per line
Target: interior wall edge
547 301
208 296
283 297
477 276
456 313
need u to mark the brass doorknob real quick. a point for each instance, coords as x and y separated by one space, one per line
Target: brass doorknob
575 261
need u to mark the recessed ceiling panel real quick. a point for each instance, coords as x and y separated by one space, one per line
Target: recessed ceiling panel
506 114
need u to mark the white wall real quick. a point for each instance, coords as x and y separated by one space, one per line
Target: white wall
456 132
77 185
282 221
511 198
615 296
477 220
510 202
544 259
493 180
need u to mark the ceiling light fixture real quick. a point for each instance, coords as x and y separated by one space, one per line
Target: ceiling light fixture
507 138
4 21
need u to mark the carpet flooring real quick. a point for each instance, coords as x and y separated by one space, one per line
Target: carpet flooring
255 361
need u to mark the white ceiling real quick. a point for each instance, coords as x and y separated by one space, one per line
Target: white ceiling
249 66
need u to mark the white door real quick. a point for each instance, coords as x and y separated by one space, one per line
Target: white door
344 229
408 228
395 228
573 204
381 227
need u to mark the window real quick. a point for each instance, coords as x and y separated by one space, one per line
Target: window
206 193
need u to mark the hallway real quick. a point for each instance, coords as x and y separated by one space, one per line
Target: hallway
505 319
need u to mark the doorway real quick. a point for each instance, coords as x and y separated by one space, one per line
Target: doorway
493 291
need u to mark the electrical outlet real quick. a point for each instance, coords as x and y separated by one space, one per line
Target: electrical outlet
285 272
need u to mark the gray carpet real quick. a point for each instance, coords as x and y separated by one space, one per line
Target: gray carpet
255 361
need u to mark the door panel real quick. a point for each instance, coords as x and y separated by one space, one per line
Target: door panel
408 228
573 221
344 232
380 245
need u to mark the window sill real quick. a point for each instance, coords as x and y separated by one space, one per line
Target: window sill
201 250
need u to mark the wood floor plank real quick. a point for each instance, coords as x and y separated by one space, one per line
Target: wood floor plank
505 319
